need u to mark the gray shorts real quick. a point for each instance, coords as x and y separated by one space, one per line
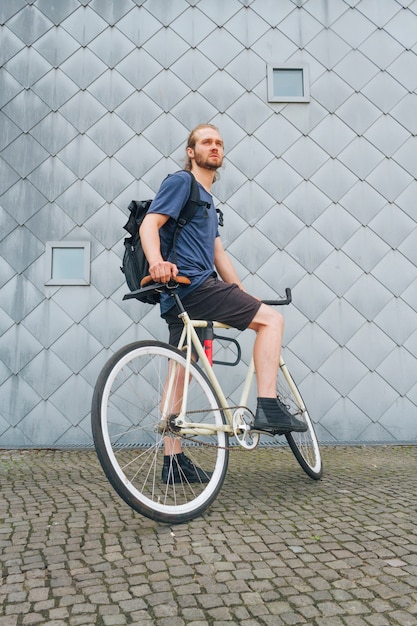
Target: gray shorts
216 301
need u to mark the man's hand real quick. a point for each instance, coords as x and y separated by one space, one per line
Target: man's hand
163 271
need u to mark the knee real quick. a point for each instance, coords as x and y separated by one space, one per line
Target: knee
270 318
278 320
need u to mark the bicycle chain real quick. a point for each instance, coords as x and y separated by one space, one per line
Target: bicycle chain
201 443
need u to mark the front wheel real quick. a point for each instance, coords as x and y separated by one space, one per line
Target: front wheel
304 446
136 398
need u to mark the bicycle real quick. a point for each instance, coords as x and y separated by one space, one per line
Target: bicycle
150 393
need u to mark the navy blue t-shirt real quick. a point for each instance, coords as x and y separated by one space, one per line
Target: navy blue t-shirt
195 243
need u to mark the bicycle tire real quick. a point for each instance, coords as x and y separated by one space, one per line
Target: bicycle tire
304 446
129 438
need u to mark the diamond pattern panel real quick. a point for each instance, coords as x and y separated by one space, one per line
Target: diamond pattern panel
84 25
29 24
384 91
111 89
27 67
26 110
55 88
97 98
56 46
24 154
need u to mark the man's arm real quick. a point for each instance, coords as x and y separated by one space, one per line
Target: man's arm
224 265
160 270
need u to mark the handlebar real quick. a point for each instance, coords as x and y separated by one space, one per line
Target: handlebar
287 300
147 284
174 283
142 290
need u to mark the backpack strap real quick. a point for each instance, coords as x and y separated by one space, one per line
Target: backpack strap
195 198
188 211
190 207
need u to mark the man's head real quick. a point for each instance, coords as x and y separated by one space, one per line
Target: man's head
204 148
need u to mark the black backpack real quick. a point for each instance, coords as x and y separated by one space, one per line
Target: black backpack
135 265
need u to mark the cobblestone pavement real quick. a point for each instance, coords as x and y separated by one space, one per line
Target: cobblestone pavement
275 548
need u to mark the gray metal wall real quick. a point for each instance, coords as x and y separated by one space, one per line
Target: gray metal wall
96 101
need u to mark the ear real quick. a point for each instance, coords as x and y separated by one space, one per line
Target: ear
190 152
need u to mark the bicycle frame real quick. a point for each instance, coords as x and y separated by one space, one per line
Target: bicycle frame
188 339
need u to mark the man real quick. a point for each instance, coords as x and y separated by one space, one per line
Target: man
199 252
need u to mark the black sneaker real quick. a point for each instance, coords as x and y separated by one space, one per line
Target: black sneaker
273 417
179 469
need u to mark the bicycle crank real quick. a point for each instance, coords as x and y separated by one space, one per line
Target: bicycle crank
242 424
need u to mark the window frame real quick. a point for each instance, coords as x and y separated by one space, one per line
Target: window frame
288 66
53 245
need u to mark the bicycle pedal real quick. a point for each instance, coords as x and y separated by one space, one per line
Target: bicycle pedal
270 433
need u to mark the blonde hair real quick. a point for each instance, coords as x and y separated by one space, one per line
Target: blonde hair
191 141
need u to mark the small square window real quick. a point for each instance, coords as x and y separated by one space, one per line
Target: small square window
68 263
288 83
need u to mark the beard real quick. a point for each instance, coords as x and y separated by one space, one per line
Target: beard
208 163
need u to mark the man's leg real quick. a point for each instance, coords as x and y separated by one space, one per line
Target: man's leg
172 445
269 326
271 414
177 467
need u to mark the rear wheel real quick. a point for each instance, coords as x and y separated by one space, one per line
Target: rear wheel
134 406
304 445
